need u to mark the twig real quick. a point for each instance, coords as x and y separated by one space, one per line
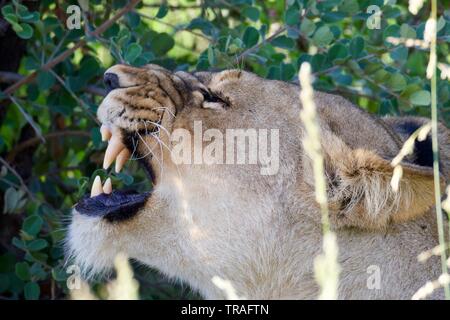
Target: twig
177 28
74 96
177 7
240 57
333 68
18 176
28 118
387 90
52 135
11 77
49 65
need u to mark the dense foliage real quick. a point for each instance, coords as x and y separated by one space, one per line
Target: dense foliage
50 143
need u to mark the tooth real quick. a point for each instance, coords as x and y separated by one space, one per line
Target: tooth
121 159
113 149
107 187
96 187
106 133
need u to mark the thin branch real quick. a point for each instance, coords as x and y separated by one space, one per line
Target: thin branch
175 7
29 119
49 65
176 28
19 177
336 67
11 77
52 135
74 96
389 91
240 57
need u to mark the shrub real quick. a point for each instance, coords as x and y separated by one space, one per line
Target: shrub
50 142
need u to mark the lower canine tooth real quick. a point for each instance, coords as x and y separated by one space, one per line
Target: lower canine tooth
107 187
96 187
121 159
115 146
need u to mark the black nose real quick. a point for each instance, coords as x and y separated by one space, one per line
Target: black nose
111 81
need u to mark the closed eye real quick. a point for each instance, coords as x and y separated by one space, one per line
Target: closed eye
213 100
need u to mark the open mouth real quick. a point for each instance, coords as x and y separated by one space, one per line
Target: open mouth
103 201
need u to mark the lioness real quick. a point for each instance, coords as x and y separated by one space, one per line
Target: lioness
259 231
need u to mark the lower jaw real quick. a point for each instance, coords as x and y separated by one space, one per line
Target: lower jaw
119 205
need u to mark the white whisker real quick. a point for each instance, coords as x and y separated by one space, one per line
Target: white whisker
150 151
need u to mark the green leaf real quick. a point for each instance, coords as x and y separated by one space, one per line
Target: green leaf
7 9
287 71
283 42
420 98
381 75
45 80
337 52
391 31
10 200
307 27
59 274
23 271
31 291
33 17
161 43
32 225
356 47
250 37
407 32
37 271
440 23
23 13
37 245
350 7
400 54
96 137
11 18
13 200
162 12
19 243
317 62
274 73
211 56
202 24
133 19
396 82
292 15
16 27
251 12
323 36
26 32
133 51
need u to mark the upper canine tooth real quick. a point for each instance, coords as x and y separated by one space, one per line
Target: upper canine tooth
106 133
107 187
96 187
115 145
122 158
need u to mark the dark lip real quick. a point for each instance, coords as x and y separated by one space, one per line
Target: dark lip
116 206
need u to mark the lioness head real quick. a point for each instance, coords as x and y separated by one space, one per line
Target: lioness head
219 199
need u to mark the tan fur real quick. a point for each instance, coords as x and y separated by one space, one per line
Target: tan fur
262 233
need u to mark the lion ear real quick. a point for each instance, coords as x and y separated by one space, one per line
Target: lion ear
359 187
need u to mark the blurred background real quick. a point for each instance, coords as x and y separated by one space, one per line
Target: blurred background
53 55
